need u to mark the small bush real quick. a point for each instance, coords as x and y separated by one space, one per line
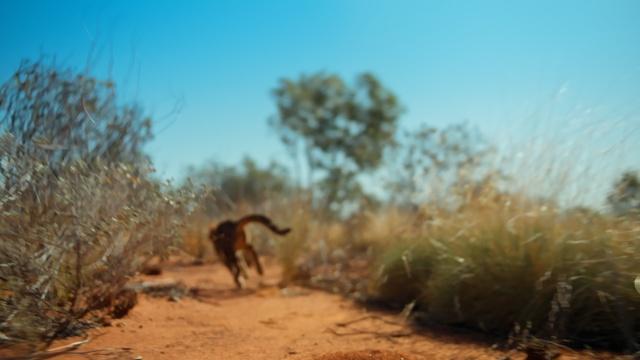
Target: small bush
79 211
71 239
403 272
504 263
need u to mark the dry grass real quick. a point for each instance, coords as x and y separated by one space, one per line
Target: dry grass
508 265
500 263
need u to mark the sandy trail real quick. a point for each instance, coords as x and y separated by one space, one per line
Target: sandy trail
265 322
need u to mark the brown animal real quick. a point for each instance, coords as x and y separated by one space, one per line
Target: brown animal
229 237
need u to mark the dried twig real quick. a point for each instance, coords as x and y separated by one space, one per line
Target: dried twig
390 335
366 317
49 353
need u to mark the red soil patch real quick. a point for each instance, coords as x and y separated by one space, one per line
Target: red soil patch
365 355
265 322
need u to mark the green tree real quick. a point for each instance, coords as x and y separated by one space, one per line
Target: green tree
342 130
247 182
453 155
624 198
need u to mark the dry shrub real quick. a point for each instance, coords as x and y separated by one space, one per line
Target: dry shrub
71 238
72 115
79 211
290 249
195 237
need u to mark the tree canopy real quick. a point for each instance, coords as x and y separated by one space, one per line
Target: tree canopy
624 197
341 129
453 155
248 182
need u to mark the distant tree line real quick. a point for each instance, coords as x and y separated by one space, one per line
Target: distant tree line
345 132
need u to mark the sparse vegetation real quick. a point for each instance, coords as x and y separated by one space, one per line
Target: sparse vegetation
508 265
235 191
498 262
80 212
473 253
453 241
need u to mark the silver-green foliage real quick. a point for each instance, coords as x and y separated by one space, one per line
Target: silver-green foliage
70 239
79 211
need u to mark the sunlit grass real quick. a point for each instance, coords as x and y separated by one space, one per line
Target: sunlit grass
502 263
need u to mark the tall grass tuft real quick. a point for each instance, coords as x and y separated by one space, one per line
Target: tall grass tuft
504 264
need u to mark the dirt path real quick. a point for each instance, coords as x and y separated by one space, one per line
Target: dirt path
265 322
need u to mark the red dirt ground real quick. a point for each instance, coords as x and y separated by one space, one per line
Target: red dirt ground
267 322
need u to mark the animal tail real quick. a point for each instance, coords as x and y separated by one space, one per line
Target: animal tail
264 221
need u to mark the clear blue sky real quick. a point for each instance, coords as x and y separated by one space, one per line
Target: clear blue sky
534 73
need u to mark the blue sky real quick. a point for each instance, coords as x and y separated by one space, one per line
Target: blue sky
530 75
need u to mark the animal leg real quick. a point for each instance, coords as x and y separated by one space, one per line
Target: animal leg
235 271
236 277
243 263
254 258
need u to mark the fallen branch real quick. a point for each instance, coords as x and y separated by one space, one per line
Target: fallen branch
49 353
391 335
387 335
377 317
